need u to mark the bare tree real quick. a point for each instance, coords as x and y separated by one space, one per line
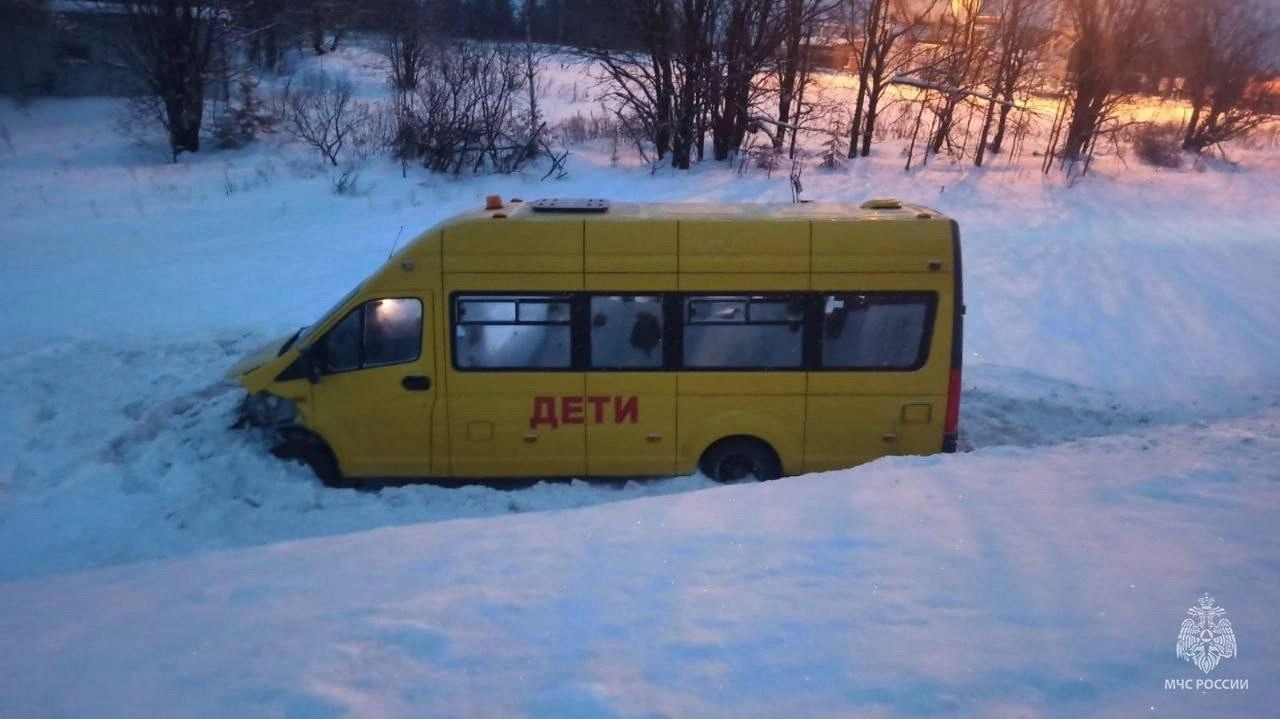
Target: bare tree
269 26
888 33
176 48
407 24
958 66
795 65
1021 39
647 84
328 21
1226 46
1111 37
747 36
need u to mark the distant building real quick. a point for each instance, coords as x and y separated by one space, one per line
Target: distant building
830 47
68 47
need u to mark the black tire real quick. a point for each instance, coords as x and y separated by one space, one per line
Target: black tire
313 452
736 458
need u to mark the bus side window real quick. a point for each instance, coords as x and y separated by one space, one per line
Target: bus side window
626 332
378 332
512 332
392 331
748 332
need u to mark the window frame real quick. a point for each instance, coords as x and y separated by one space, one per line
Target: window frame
665 308
801 296
674 322
361 365
571 298
816 336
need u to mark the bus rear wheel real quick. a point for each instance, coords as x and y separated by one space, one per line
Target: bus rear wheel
737 458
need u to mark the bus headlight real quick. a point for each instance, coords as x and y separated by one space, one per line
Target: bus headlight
264 409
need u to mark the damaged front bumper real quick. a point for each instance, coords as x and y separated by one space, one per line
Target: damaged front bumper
267 411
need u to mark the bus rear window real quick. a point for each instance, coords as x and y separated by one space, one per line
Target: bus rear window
881 330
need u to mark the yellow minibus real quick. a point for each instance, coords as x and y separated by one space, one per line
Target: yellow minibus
580 338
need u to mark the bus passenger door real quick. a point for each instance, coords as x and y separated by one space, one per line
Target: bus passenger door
377 387
515 401
630 411
631 424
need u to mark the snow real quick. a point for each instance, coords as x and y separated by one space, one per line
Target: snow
1005 582
1121 395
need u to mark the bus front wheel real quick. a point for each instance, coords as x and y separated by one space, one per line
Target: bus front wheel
311 450
736 458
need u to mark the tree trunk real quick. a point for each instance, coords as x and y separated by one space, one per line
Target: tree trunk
856 130
1090 95
790 69
873 111
864 73
980 153
786 91
943 129
1188 139
271 49
997 141
530 66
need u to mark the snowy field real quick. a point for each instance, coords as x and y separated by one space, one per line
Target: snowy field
1122 396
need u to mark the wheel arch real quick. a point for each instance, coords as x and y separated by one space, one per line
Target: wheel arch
312 449
786 445
743 437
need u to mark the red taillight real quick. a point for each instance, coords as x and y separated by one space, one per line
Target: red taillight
953 403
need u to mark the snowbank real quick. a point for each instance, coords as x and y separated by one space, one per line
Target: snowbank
1002 583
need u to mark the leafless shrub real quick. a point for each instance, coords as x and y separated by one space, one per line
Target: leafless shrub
323 113
233 182
346 182
578 128
1158 145
464 113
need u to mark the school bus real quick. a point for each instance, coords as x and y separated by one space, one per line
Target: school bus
572 337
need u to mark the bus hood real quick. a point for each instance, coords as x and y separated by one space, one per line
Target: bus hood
257 358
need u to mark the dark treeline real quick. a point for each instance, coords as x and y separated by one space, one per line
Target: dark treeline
691 80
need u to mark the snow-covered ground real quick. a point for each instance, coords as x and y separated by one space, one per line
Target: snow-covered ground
1007 582
1121 394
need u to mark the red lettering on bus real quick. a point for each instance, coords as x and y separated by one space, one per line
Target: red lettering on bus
571 410
598 403
544 412
626 412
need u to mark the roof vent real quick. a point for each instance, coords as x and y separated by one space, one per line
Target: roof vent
882 203
570 204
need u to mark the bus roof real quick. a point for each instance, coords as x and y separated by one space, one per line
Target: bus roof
603 211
